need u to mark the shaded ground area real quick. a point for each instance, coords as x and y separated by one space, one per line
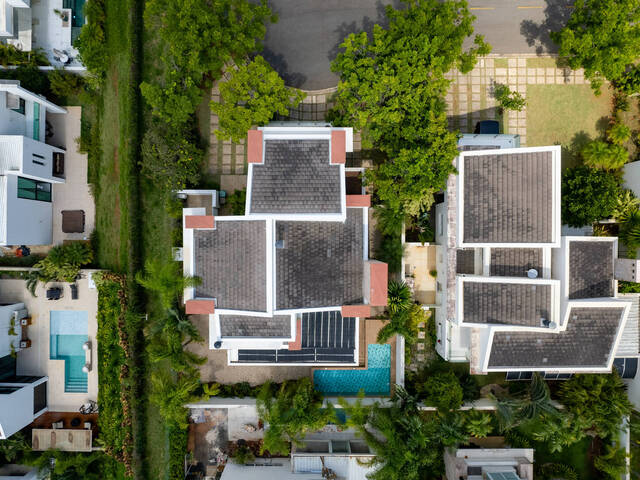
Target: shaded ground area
217 370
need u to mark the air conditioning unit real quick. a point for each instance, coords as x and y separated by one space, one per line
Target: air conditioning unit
13 101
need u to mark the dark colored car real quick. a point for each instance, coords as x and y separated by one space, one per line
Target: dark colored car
487 126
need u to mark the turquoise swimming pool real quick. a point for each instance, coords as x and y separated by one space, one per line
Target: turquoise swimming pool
375 380
68 331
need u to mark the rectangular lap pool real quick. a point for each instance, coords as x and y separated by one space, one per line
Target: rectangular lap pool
375 380
68 331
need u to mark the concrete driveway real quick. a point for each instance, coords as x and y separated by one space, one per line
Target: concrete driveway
301 45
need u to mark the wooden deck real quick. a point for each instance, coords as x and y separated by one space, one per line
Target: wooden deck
67 440
47 419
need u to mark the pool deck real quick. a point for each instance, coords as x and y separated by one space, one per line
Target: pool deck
35 360
369 329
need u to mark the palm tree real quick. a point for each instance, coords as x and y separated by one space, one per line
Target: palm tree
399 297
479 424
619 133
599 154
630 232
627 203
405 323
170 396
559 431
176 321
165 279
530 406
169 346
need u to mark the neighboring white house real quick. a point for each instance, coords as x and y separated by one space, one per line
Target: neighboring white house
51 26
18 472
514 295
28 166
489 463
22 398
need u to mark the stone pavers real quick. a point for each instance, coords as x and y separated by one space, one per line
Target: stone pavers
470 98
225 157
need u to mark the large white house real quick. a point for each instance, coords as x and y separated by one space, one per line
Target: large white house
514 294
28 166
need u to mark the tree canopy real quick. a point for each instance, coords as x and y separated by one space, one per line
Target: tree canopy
392 87
587 195
601 36
295 410
251 94
199 37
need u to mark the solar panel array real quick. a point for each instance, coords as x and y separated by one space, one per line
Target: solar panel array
326 337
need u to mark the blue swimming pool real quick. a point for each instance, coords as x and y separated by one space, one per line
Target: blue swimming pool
68 331
375 380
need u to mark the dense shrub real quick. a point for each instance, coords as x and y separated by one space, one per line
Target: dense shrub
63 262
628 287
607 156
92 39
629 83
237 201
30 77
65 84
170 156
443 391
177 449
10 55
390 251
588 195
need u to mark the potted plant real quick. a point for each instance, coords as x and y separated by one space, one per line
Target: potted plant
64 16
26 321
12 328
26 343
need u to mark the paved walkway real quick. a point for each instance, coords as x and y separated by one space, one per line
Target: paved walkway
470 97
225 157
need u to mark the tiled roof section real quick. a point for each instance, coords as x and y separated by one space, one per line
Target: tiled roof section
230 260
296 177
587 342
590 269
278 326
321 264
508 198
465 261
515 262
506 303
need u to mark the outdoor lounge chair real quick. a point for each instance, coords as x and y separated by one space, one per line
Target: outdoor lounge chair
72 221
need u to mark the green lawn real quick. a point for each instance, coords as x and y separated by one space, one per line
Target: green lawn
565 114
542 62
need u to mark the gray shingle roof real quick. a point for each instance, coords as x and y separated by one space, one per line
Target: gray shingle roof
505 303
246 326
515 262
321 264
465 261
508 198
590 269
587 342
296 177
230 260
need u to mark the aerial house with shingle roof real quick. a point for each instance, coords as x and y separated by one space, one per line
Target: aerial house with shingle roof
514 295
287 282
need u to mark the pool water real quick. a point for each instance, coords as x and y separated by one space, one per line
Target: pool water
68 332
375 380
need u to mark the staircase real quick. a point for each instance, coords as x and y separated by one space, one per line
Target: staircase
75 385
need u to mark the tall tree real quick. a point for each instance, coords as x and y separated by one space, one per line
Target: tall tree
588 195
393 83
295 410
251 94
601 36
407 443
601 401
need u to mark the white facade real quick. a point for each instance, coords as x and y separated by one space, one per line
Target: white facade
28 167
476 463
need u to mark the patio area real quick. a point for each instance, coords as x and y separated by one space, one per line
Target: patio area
35 360
75 194
418 263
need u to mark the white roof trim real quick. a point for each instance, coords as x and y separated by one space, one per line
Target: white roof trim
16 89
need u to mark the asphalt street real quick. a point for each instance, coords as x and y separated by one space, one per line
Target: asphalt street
308 33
